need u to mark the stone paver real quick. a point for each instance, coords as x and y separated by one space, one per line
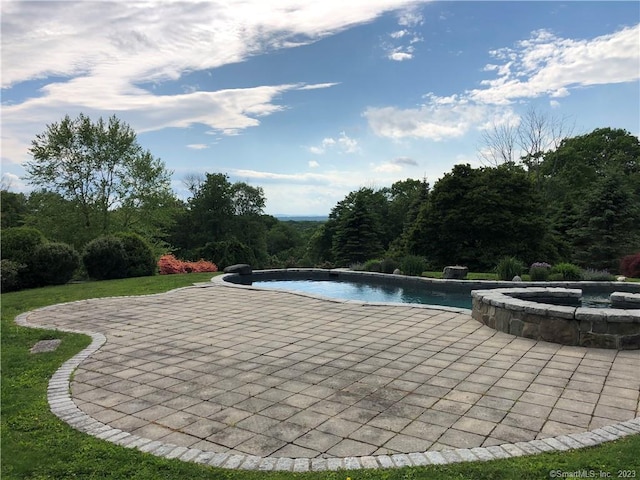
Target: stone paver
254 379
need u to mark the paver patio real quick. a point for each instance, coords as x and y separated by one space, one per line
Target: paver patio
275 374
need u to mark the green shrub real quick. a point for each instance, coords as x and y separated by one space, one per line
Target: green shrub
539 271
555 277
413 265
508 268
105 258
388 265
592 275
54 263
569 271
19 243
228 252
539 274
373 266
10 275
141 261
357 267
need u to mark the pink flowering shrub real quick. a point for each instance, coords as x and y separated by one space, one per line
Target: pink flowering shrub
168 264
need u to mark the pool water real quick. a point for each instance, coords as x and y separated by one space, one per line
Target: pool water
369 292
373 292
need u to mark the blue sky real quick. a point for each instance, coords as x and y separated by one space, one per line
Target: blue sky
312 100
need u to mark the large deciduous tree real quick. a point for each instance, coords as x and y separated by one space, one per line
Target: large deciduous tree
221 216
99 167
524 140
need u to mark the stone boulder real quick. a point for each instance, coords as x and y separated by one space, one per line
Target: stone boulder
455 273
240 269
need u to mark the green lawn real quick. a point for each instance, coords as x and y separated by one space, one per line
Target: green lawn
36 445
470 275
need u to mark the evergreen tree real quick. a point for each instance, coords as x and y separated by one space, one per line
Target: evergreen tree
357 234
607 226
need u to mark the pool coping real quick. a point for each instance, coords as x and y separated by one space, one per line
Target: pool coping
552 314
399 279
63 406
220 280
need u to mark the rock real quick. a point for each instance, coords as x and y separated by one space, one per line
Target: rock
621 279
558 330
240 268
397 272
455 273
516 279
46 346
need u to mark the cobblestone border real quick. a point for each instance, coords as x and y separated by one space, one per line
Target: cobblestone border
63 406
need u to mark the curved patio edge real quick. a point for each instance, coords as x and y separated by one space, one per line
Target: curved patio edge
62 405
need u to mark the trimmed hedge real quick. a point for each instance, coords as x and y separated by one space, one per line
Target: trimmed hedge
140 259
227 252
19 243
54 263
105 258
10 275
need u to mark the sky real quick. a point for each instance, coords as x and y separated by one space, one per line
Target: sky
313 100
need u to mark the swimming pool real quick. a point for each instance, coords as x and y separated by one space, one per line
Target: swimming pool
370 292
376 287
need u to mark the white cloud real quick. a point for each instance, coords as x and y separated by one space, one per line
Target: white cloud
342 144
398 55
317 150
109 57
549 65
12 183
318 86
341 180
387 168
543 65
313 164
400 48
197 146
396 165
441 118
410 18
347 144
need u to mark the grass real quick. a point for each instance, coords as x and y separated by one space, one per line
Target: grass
470 275
37 446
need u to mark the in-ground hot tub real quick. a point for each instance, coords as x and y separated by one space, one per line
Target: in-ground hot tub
555 315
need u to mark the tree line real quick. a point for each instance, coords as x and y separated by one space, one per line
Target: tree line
578 201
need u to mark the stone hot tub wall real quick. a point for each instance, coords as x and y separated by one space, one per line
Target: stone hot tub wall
538 313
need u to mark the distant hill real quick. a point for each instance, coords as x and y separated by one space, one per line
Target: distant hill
301 218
